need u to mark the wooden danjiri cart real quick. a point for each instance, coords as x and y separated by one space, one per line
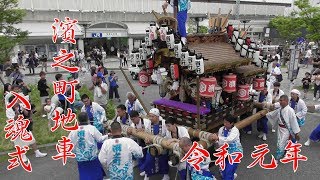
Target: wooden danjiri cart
209 77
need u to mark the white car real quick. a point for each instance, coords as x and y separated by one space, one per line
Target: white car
134 72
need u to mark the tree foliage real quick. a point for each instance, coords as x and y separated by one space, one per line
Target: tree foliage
9 35
305 17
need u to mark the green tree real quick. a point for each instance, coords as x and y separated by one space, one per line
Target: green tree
306 17
9 35
203 29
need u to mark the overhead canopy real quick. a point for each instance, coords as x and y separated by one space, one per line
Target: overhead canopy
221 56
40 29
137 28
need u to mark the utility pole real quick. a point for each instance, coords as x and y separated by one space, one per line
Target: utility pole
237 9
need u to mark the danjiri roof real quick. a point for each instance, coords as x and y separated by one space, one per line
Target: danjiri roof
219 54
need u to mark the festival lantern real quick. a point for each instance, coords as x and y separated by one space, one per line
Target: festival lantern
235 35
184 61
256 57
174 69
138 55
144 79
239 44
177 49
229 83
207 86
147 38
258 84
243 92
170 39
143 54
199 64
153 31
192 61
133 57
250 53
230 31
253 45
244 50
149 65
163 32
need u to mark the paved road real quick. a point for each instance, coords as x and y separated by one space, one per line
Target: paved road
46 168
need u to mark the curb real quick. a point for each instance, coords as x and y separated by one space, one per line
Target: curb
39 146
56 72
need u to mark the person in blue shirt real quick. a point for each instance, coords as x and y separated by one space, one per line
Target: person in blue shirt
182 14
62 97
113 86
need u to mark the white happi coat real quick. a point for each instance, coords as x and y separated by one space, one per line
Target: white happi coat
99 115
85 140
182 132
290 119
301 109
129 122
116 156
268 98
272 79
136 107
164 132
146 124
233 139
277 97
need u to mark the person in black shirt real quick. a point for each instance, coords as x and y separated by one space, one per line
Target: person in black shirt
44 60
43 89
306 81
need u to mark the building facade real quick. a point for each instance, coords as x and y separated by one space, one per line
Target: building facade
122 23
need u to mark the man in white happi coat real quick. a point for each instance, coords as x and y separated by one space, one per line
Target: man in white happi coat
133 104
116 154
140 124
288 127
174 133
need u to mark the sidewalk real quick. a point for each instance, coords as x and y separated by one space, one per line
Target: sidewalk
109 63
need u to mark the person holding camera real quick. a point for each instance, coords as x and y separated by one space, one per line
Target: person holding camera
113 86
100 90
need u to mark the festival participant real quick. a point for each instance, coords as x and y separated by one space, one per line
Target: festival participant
299 106
276 92
185 144
50 108
13 113
230 134
156 164
122 115
100 91
288 127
274 74
140 124
175 133
315 135
86 150
96 113
262 124
116 154
132 103
182 14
